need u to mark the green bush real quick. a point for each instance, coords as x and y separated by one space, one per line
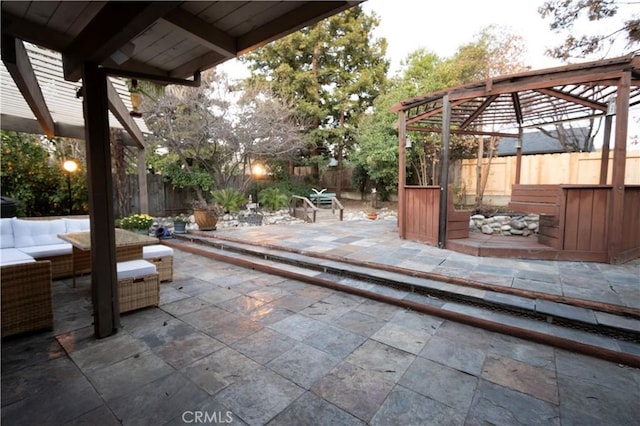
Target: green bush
273 198
230 199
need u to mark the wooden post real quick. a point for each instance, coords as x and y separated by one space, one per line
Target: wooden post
619 164
604 160
444 171
142 182
104 284
519 155
402 173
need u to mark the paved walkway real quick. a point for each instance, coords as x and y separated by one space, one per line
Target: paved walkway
378 242
243 347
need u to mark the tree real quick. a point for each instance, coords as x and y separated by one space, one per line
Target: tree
494 51
332 71
565 13
205 140
32 176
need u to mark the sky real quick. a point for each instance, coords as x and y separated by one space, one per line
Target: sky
444 25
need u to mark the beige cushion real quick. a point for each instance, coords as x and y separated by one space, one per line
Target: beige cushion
156 250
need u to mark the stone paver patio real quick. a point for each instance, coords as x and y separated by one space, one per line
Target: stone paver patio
234 346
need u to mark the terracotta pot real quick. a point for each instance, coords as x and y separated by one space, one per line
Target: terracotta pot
372 216
205 219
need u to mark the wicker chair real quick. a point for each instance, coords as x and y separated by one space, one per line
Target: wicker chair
26 297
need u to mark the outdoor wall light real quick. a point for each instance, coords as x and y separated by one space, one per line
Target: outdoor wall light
70 166
407 142
611 105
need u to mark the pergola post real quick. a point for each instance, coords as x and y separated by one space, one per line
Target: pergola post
142 182
104 288
402 173
519 155
604 159
444 171
619 164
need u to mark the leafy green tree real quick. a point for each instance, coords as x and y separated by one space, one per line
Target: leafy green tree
332 72
493 52
565 13
34 178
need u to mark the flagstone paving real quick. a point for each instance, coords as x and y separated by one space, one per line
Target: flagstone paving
236 346
229 345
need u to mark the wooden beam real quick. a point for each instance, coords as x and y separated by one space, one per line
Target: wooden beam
402 173
478 111
539 82
13 123
572 98
519 156
433 112
104 283
16 60
309 13
461 132
119 110
203 33
115 25
517 108
616 225
142 182
444 172
604 159
34 33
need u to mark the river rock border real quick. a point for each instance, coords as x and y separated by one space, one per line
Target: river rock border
518 225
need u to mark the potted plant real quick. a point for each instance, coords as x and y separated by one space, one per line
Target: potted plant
206 215
180 224
371 213
137 222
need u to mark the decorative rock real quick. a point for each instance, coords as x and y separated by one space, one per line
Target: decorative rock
495 225
486 229
477 217
517 231
517 224
532 226
501 218
505 228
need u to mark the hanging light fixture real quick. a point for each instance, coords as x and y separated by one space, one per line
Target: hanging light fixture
136 99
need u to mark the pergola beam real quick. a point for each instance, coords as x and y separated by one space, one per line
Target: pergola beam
478 111
573 99
14 123
203 33
119 110
101 38
16 60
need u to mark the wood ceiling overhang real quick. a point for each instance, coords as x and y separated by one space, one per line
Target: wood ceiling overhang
499 105
163 41
162 38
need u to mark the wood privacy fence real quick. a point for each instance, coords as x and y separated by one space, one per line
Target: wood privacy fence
566 168
164 200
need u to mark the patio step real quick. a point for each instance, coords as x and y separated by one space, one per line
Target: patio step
598 333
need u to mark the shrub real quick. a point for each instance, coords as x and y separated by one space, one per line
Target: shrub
273 198
136 221
231 200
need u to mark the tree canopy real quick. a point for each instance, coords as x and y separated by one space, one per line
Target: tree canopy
494 51
564 14
332 71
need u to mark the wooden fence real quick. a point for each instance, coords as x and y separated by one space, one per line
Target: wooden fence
567 168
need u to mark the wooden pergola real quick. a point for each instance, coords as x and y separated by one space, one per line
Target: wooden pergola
167 42
503 106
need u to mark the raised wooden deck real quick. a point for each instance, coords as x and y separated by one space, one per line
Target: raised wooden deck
503 246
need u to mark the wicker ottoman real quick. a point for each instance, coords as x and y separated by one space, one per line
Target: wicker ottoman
26 297
138 285
162 257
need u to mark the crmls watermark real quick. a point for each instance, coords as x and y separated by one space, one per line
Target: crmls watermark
213 417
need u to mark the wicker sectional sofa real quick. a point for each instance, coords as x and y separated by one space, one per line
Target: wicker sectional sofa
31 255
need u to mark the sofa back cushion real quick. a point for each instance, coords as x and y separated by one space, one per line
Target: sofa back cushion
28 233
6 233
77 225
